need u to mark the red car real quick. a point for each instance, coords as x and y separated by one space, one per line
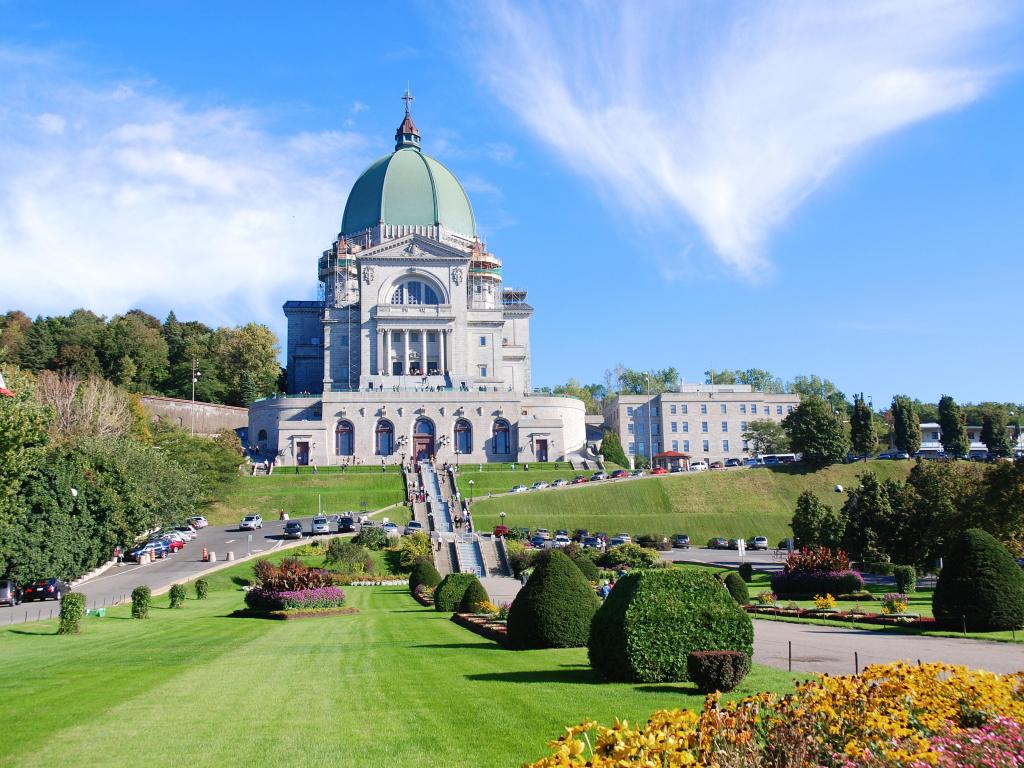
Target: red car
619 473
173 545
659 471
579 479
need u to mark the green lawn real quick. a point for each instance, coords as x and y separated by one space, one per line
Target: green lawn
734 503
297 494
502 480
394 685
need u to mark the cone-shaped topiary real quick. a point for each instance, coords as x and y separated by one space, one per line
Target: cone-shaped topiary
980 585
474 595
449 592
554 608
654 619
177 595
587 567
423 572
737 588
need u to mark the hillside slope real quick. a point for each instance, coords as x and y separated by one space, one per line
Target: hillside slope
735 503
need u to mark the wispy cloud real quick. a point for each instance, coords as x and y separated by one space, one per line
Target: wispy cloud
730 115
114 195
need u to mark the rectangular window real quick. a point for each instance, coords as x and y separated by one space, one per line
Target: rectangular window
654 410
632 449
684 407
935 435
743 426
706 446
725 446
672 410
703 407
483 371
414 336
746 445
629 428
753 408
640 448
656 446
703 426
432 337
743 407
789 409
686 426
483 341
725 426
778 410
629 412
725 408
686 445
654 429
675 445
675 427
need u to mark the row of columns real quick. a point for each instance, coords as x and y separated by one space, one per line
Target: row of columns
386 337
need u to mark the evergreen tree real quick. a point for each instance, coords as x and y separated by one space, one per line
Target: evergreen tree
816 431
247 389
870 524
815 523
995 435
906 425
40 345
611 448
953 424
863 436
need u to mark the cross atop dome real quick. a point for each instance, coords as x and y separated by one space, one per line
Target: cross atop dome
408 134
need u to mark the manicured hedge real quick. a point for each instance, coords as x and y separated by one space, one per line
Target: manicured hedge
472 598
980 585
72 609
202 589
449 592
746 571
654 619
587 567
817 583
177 595
554 608
423 572
737 588
141 597
906 578
717 670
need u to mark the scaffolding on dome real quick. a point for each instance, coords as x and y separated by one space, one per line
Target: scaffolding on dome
484 282
339 290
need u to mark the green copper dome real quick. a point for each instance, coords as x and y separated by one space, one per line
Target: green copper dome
407 188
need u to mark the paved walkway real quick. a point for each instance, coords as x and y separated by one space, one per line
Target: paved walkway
831 649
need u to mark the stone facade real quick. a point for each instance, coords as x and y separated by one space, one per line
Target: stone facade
210 418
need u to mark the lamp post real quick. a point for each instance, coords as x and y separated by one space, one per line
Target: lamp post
470 491
502 516
195 377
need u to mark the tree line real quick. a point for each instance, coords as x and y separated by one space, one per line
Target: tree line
141 354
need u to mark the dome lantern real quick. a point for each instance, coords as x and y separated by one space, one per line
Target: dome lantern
408 134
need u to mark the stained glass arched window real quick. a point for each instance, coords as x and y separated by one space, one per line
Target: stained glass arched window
385 438
463 436
344 439
502 438
414 292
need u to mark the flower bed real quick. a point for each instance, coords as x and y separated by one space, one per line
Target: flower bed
485 626
900 619
889 715
318 599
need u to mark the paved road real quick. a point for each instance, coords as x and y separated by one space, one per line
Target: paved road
727 558
831 649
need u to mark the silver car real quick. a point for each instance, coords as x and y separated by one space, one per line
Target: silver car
250 523
320 526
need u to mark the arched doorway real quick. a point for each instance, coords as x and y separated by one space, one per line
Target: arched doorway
423 439
385 438
344 439
502 438
463 436
261 440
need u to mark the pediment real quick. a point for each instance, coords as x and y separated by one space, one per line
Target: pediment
414 248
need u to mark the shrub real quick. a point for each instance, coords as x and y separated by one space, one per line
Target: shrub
141 597
650 541
737 588
449 592
423 574
372 538
980 585
519 557
746 571
894 602
654 619
554 608
906 578
816 560
766 598
412 548
820 582
717 670
321 598
348 557
177 595
474 597
878 569
587 567
72 609
290 575
202 589
628 555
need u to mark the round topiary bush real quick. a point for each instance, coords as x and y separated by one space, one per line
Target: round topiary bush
737 588
587 567
202 589
980 585
141 597
72 609
177 595
449 592
554 608
906 578
654 619
717 670
473 597
746 571
423 573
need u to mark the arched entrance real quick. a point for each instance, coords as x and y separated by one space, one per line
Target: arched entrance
423 439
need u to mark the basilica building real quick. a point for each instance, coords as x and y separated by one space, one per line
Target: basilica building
415 347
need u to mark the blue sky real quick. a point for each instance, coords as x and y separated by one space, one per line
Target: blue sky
808 188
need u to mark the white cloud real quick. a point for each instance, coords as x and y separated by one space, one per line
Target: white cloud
158 203
732 119
358 106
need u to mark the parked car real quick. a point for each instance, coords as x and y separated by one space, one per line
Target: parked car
250 523
718 543
187 531
10 593
45 589
716 465
519 489
734 462
592 542
677 468
540 485
538 542
544 533
173 545
346 524
771 461
754 463
319 526
637 473
198 521
598 476
293 529
172 536
734 543
619 473
681 541
560 483
625 537
579 479
561 532
391 529
699 466
415 525
580 534
617 541
561 540
757 542
659 471
156 548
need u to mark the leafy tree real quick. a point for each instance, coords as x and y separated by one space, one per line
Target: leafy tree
251 348
629 382
995 434
759 379
870 523
134 352
815 386
765 436
863 436
554 608
13 327
815 524
641 462
348 557
23 431
953 424
587 394
906 425
816 432
611 448
212 463
413 549
78 340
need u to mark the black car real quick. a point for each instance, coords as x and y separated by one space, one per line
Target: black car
293 529
45 589
10 594
681 541
734 462
346 524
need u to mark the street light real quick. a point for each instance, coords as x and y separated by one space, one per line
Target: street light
502 516
195 377
470 491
